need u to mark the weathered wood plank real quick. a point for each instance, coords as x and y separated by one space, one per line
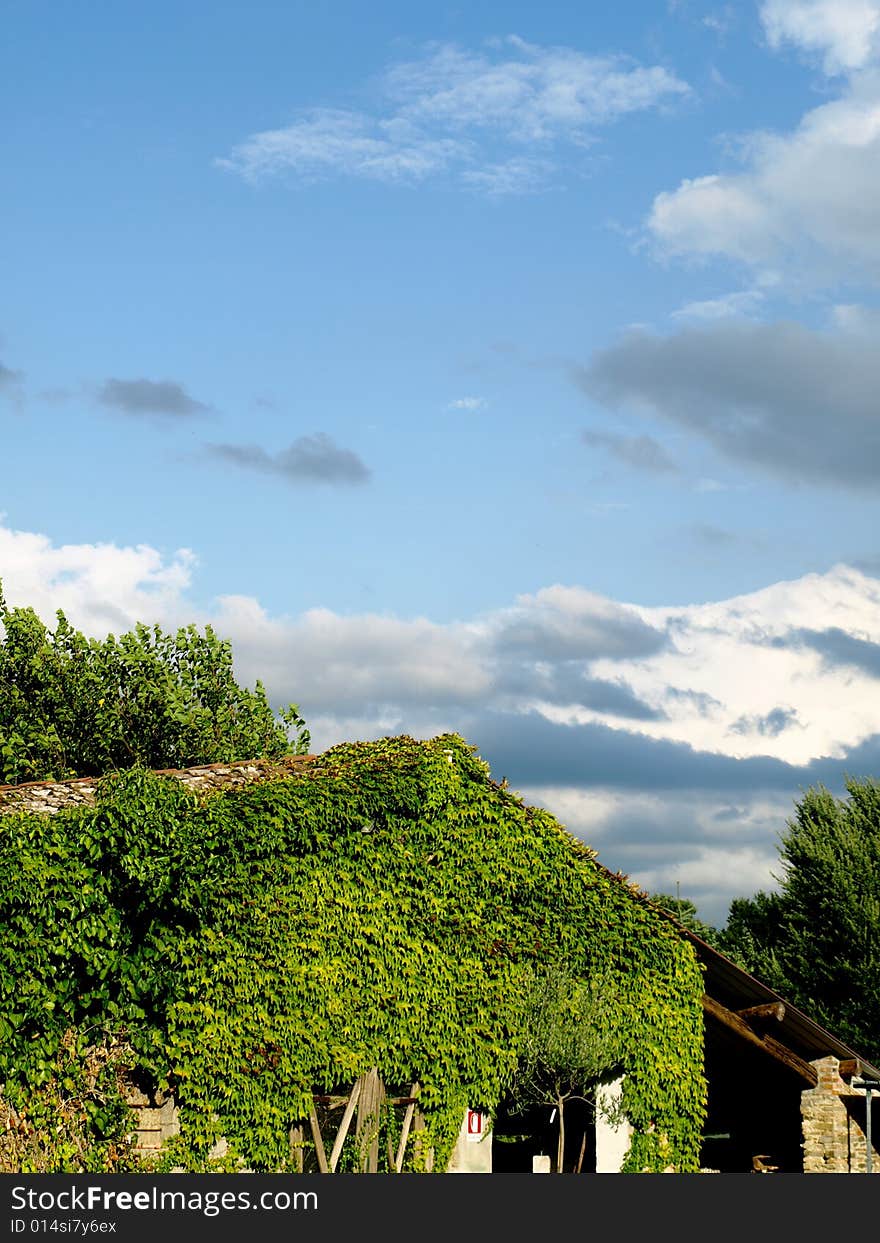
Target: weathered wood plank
369 1110
344 1125
773 1047
407 1123
297 1138
771 1010
319 1142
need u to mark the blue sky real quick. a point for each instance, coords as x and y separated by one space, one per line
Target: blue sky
509 369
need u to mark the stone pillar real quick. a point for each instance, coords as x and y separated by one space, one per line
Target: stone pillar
833 1116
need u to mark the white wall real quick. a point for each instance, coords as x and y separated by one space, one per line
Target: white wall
612 1142
472 1155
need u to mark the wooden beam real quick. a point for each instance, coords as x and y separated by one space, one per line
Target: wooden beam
848 1067
772 1010
344 1125
319 1143
776 1050
407 1123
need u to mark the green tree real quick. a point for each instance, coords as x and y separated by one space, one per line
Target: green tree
686 913
569 1043
817 940
71 706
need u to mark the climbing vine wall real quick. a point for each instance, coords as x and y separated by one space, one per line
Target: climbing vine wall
382 906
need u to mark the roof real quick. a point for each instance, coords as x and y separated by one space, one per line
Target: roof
730 984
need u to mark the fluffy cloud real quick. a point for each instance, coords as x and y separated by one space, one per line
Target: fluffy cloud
845 32
798 403
802 205
471 113
674 739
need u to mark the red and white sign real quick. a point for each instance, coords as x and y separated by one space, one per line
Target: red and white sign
475 1119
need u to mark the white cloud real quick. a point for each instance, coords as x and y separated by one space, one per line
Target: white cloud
466 112
804 202
102 587
467 403
742 653
845 32
533 94
855 319
518 175
335 141
742 302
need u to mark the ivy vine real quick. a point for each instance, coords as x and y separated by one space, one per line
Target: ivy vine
384 906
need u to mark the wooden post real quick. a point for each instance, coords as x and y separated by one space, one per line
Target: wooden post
344 1125
369 1116
404 1131
297 1138
319 1143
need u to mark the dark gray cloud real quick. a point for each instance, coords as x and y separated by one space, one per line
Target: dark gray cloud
56 396
725 815
798 403
566 684
310 459
771 725
836 647
150 397
715 537
9 378
643 452
532 751
11 386
555 635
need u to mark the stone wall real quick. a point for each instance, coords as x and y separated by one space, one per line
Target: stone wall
833 1115
41 797
155 1120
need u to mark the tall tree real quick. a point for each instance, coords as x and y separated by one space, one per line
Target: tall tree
817 940
71 706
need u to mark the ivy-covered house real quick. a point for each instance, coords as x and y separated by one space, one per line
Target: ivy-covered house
330 963
238 949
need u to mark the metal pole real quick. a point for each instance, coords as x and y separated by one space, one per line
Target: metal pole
870 1086
868 1129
